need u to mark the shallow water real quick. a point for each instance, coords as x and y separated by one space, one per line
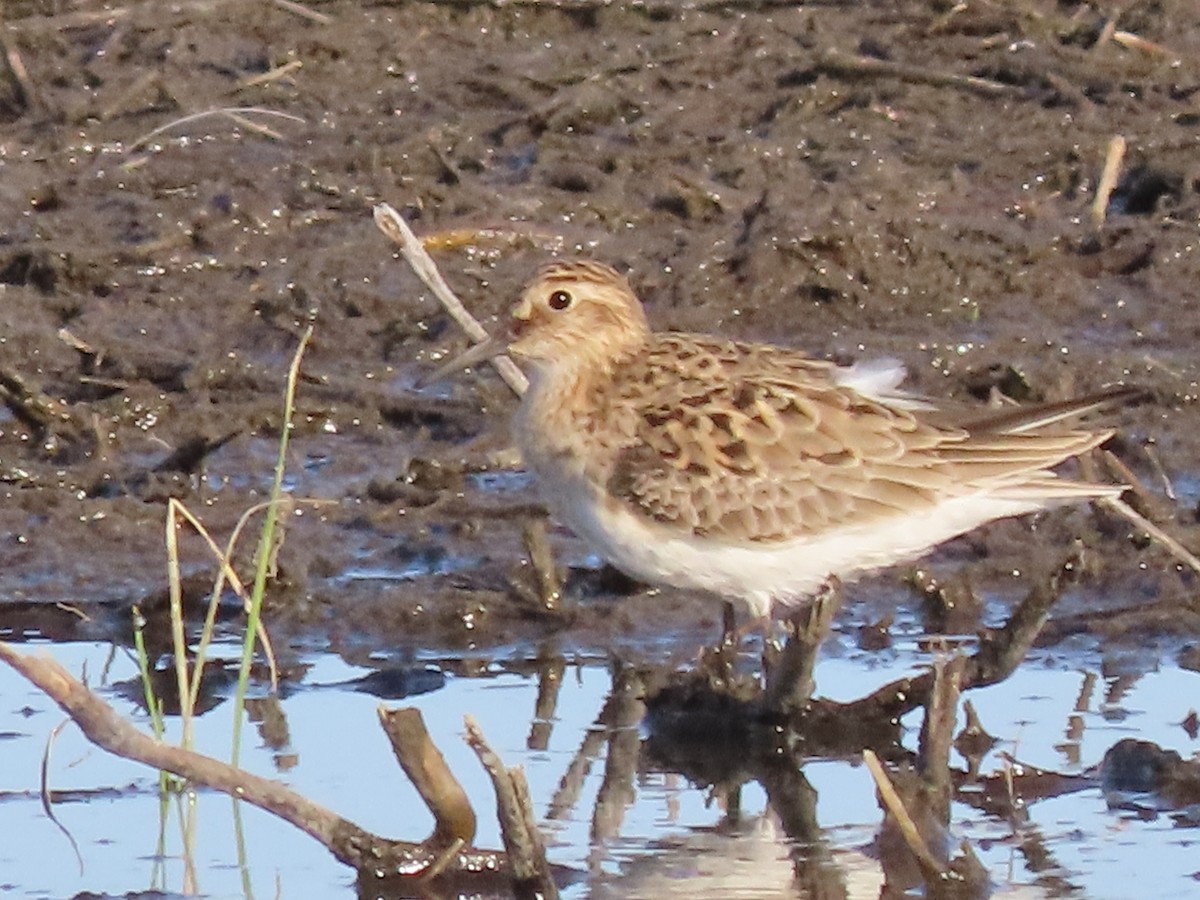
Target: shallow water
669 836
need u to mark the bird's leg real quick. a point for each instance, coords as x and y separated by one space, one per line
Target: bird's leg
730 637
771 648
718 660
790 681
723 655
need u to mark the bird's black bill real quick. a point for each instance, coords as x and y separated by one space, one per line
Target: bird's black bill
489 349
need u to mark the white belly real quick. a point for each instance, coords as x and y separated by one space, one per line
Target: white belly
763 575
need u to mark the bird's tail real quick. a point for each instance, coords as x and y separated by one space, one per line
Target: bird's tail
1022 419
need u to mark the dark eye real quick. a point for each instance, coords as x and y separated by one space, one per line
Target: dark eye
559 300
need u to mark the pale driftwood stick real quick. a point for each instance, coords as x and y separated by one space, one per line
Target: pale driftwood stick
1137 42
103 727
426 768
1153 506
1108 179
273 75
16 67
1106 33
1131 515
349 843
224 111
396 229
835 63
304 12
518 826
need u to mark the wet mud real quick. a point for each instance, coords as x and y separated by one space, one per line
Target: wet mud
915 180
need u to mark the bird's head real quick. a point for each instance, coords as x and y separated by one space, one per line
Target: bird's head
578 311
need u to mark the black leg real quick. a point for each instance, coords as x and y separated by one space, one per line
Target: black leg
729 632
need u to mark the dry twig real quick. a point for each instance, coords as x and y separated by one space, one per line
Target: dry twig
273 75
1108 179
303 12
16 67
834 63
1136 42
1180 552
395 228
230 112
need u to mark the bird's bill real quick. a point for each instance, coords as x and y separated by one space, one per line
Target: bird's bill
488 349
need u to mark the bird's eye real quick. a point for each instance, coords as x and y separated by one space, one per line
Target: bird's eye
559 300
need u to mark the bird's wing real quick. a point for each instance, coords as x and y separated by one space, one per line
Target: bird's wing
753 443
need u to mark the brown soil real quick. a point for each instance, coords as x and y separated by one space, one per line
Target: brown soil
910 179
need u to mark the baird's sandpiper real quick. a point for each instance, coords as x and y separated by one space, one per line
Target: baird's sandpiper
747 469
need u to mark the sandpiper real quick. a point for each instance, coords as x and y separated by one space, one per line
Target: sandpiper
751 470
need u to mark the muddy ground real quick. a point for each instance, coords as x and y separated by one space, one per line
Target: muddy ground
912 179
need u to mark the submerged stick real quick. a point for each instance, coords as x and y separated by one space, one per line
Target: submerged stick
1000 651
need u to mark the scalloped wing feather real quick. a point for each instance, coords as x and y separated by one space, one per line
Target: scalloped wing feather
753 443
